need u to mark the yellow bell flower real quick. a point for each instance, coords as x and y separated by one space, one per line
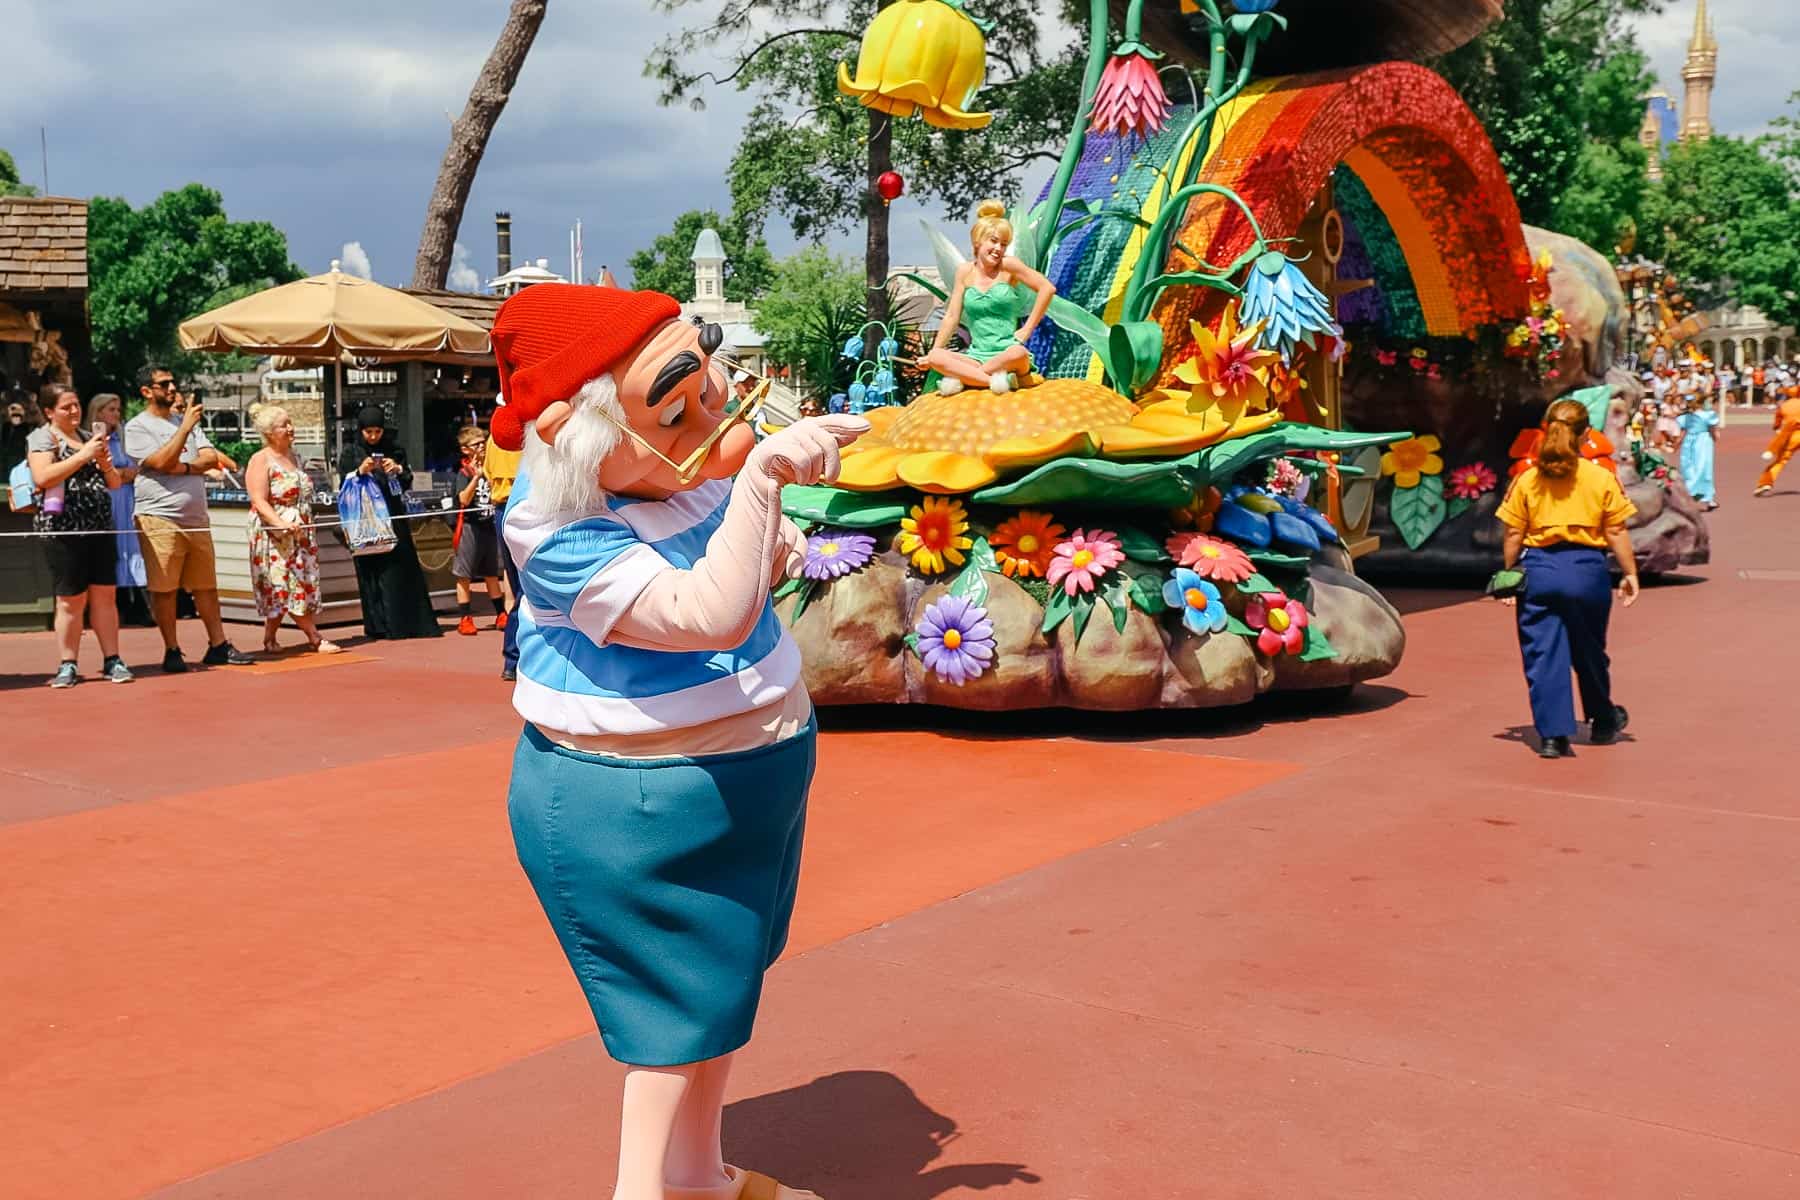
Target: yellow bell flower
921 56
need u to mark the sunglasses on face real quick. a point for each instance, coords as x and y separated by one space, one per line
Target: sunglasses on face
687 470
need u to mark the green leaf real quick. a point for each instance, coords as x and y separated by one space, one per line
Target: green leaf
1134 352
1146 592
789 587
806 595
1083 606
1418 511
1115 592
1456 507
912 641
970 583
1233 625
1257 585
1057 611
849 510
1138 545
1317 647
1166 483
1274 560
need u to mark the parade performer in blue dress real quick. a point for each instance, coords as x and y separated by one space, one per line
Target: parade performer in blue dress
1699 425
659 788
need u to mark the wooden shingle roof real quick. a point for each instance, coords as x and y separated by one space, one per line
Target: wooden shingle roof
467 305
43 245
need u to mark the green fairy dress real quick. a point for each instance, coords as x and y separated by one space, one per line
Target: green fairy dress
992 317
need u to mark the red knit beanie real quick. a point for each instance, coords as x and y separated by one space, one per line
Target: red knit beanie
551 338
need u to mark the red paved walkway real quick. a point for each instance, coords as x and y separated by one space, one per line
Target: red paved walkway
261 935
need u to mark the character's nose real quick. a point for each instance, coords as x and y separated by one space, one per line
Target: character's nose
711 338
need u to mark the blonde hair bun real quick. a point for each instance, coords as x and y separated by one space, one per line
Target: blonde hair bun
988 209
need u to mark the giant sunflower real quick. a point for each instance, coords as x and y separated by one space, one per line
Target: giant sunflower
956 444
1229 371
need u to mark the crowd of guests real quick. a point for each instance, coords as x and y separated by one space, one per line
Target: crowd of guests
123 505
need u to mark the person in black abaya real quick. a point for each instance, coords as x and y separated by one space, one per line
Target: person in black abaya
395 600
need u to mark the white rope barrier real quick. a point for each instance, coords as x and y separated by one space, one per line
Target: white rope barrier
418 516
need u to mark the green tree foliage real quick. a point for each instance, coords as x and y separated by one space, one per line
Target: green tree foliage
786 314
10 184
152 268
667 264
1726 221
1561 86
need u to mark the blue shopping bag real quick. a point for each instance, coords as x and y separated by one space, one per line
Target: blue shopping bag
21 495
363 511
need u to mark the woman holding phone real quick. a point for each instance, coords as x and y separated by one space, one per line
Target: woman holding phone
74 473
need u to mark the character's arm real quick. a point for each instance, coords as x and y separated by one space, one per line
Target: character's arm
715 604
1046 292
791 555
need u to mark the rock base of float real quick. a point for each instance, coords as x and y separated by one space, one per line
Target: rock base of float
1668 532
852 639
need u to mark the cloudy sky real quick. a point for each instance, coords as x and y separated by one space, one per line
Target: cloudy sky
330 118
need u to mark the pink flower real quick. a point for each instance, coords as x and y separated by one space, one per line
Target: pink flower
1281 623
1471 482
1130 98
1078 562
1211 558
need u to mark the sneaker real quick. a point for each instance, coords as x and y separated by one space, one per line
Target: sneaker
1766 489
1605 733
116 671
510 674
66 676
226 655
173 663
466 627
500 620
1555 747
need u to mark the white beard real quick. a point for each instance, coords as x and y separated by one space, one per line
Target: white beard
565 477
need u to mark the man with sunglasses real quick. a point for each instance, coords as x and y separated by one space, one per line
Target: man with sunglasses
174 526
659 789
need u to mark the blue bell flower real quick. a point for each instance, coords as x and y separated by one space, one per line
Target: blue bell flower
854 347
839 403
884 382
889 347
859 394
1291 311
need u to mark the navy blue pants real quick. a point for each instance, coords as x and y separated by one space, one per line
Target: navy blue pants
509 639
1562 624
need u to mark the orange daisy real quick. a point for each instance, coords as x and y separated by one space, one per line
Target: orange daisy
1024 544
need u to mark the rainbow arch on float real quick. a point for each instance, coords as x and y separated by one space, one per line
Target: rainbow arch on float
1419 181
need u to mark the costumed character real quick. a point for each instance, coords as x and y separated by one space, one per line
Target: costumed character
1699 429
659 786
1785 445
988 295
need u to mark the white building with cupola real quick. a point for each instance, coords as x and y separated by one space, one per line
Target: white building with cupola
743 344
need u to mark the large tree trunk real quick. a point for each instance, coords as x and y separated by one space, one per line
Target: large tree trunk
881 159
468 142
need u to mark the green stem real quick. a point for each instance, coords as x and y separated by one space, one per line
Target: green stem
1155 249
1134 21
1139 295
1090 83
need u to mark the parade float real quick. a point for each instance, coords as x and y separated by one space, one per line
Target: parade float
1163 505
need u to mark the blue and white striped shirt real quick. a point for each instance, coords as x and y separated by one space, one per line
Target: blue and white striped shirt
579 572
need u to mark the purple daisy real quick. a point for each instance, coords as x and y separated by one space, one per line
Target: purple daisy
956 639
834 553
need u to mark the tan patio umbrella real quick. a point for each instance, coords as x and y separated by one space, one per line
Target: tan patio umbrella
328 316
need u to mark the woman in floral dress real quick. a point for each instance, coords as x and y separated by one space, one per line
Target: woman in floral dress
284 550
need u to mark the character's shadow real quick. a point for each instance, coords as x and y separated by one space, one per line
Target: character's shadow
855 1133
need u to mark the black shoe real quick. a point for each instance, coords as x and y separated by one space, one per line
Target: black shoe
226 655
1555 747
1605 733
173 663
509 673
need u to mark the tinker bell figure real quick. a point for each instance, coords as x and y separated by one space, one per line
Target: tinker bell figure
988 295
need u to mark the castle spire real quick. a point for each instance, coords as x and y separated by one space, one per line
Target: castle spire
1698 73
